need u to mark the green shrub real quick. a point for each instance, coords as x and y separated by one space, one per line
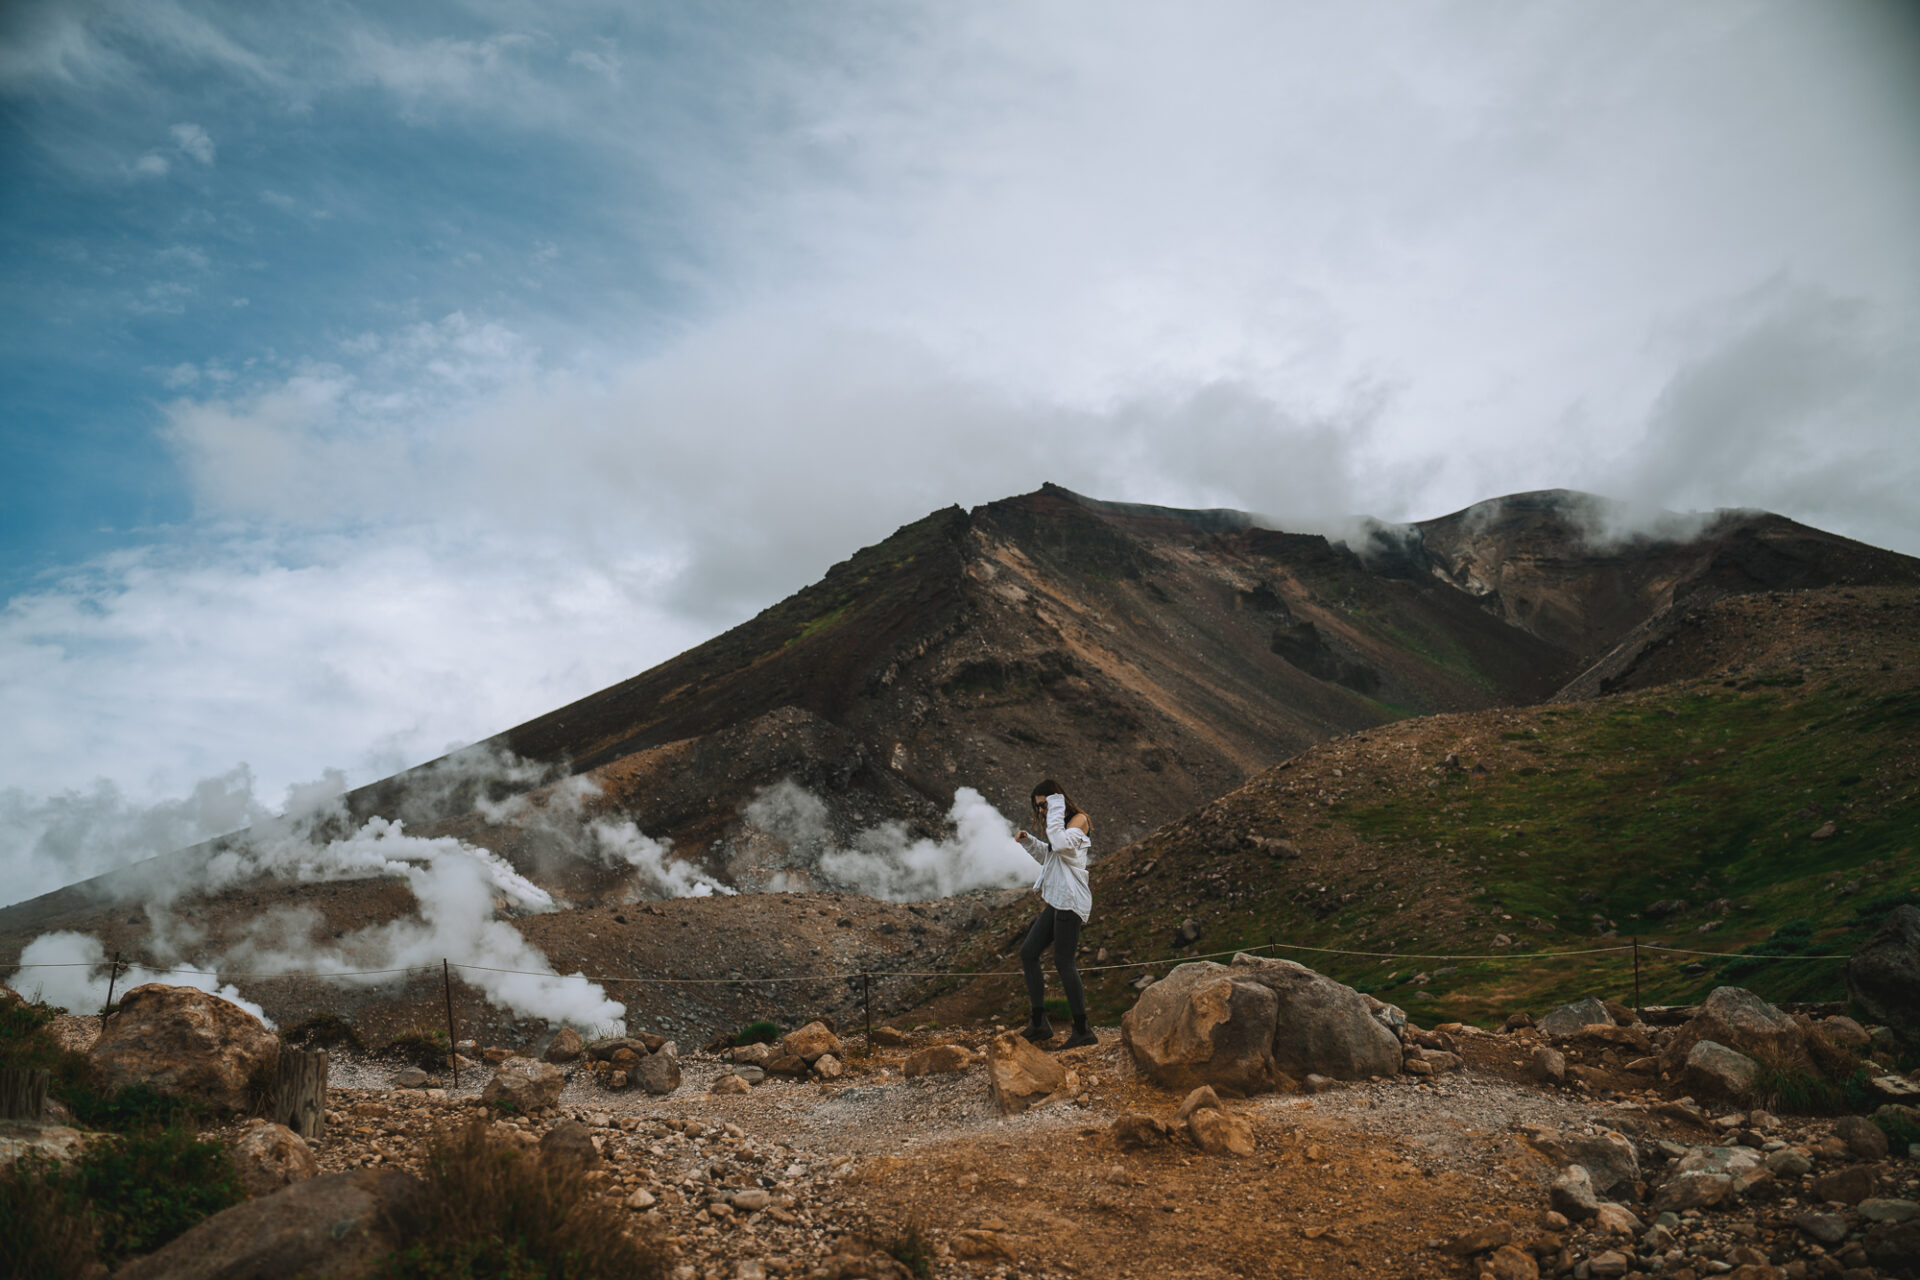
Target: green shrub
490 1210
1901 1132
912 1250
128 1194
762 1032
327 1031
40 1233
131 1108
424 1049
1798 1090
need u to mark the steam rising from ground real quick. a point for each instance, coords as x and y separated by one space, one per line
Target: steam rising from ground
885 861
459 888
72 970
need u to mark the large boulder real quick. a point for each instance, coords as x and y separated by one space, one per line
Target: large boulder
334 1226
566 1046
527 1084
1883 977
1715 1071
1019 1075
186 1042
1254 1025
1739 1020
271 1156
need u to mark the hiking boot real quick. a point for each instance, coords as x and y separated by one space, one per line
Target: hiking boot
1038 1029
1082 1035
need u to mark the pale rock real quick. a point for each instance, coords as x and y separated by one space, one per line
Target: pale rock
811 1041
1202 1097
1020 1075
1569 1018
1715 1070
1572 1194
529 1085
1887 1210
1548 1066
752 1200
187 1042
1738 1020
730 1083
271 1156
828 1067
1616 1220
939 1059
1218 1132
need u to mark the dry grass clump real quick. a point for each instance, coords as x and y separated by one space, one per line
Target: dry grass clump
488 1208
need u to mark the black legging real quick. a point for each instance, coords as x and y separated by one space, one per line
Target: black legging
1061 929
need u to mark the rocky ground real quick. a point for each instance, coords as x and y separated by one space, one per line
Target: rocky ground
1452 1174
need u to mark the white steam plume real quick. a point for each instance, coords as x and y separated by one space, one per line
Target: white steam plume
884 861
71 970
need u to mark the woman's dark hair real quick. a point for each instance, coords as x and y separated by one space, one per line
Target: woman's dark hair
1048 787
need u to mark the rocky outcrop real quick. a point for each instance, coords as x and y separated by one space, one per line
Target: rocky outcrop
1883 977
1571 1018
271 1156
1019 1075
529 1085
332 1226
1255 1025
187 1042
1738 1020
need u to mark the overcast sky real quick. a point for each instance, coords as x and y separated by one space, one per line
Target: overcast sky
375 377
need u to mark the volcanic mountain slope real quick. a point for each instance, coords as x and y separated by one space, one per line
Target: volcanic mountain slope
1157 656
1754 788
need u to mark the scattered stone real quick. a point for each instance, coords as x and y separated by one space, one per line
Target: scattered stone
891 1037
1608 1265
1020 1075
939 1059
1479 1240
1740 1021
1616 1220
1204 1096
828 1067
1218 1132
658 1073
730 1083
410 1078
1717 1071
752 1200
1569 1018
1549 1066
810 1042
1188 933
1510 1263
184 1041
1789 1162
640 1199
570 1142
1845 1032
1865 1140
1827 1228
1317 1083
1572 1194
1845 1186
1136 1130
566 1046
271 1156
529 1085
1877 1210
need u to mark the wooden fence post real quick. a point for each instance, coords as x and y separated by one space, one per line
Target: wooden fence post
23 1093
300 1092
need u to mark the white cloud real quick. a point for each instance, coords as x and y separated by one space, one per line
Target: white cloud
193 142
151 165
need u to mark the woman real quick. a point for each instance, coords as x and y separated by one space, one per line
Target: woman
1067 901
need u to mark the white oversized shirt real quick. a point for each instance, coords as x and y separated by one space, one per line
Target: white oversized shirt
1062 857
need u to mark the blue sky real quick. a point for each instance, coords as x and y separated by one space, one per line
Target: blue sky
374 377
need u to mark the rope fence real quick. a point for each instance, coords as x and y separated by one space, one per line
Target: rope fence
1529 956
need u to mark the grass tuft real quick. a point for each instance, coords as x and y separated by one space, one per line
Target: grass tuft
490 1209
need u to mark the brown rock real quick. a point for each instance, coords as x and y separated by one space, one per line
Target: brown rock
1019 1075
1137 1129
1480 1240
939 1059
811 1041
658 1073
566 1046
891 1038
1549 1066
783 1063
1848 1186
1200 1098
1509 1263
1221 1133
183 1041
828 1067
752 1054
331 1225
624 1059
730 1083
529 1085
975 1245
1740 1021
569 1142
271 1156
1865 1140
